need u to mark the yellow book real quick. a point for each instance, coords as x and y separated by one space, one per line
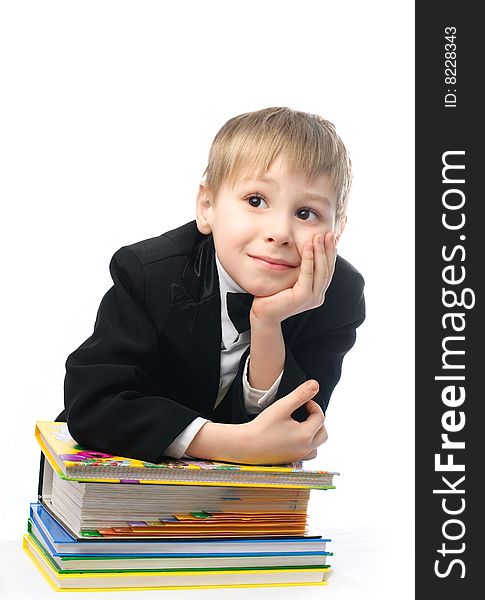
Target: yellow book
161 580
72 462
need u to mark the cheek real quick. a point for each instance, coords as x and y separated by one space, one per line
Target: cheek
283 284
293 277
239 232
304 235
300 244
307 237
231 236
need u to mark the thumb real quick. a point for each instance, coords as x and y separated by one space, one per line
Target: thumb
299 396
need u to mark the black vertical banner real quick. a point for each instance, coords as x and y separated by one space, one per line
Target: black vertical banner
450 267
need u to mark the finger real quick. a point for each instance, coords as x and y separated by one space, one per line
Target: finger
314 408
320 262
315 418
310 455
320 437
299 396
305 278
326 264
320 268
330 247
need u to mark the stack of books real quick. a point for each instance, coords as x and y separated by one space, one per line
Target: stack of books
105 522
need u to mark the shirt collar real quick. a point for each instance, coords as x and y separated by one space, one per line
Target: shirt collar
227 284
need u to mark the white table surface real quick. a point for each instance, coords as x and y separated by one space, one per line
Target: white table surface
364 566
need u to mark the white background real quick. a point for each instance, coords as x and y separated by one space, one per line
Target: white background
107 113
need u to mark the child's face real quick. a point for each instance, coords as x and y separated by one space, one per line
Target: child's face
261 226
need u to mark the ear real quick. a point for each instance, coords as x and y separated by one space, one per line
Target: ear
339 227
203 209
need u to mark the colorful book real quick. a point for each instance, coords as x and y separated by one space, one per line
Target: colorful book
170 578
72 462
127 510
137 561
61 543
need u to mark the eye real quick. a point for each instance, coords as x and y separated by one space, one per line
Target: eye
307 214
256 201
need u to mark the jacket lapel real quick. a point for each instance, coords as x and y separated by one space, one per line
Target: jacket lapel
195 327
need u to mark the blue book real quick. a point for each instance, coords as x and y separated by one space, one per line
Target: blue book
60 542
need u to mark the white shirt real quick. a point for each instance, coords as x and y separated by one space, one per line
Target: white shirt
233 346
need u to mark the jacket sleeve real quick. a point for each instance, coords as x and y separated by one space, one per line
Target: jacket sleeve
112 400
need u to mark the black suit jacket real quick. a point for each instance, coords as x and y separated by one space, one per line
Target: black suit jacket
152 364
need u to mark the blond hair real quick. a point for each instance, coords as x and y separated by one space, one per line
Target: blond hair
248 144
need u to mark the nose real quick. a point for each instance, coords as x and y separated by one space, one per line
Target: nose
278 231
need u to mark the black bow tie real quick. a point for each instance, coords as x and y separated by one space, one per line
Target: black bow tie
238 309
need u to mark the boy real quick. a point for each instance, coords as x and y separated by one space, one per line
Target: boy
167 371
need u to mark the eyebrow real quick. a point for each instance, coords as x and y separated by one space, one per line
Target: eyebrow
306 195
317 197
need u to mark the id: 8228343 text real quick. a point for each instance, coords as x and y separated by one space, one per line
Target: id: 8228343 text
450 67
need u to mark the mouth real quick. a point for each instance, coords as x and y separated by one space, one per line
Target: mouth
274 264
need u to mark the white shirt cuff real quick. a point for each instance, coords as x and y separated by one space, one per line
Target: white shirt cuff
257 400
180 444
